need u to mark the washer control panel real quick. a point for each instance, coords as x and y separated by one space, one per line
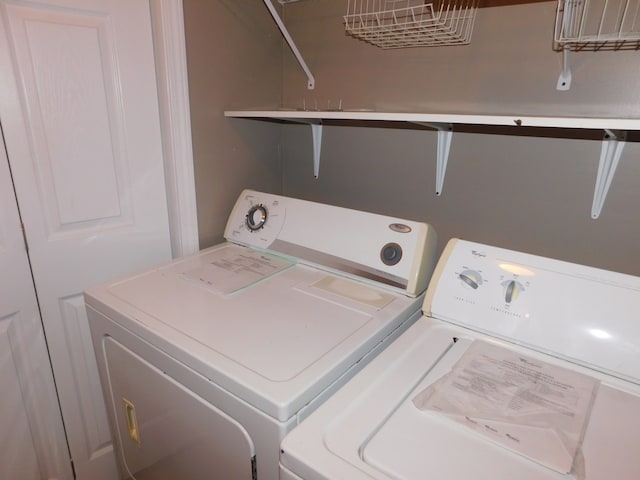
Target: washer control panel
577 312
500 288
511 284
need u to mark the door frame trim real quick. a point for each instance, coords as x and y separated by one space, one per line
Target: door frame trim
175 123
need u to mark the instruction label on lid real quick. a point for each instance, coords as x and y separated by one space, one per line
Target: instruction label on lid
232 269
534 408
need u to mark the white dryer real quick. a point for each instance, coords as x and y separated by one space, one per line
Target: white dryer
522 368
206 362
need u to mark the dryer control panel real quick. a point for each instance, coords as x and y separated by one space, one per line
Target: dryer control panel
386 250
256 220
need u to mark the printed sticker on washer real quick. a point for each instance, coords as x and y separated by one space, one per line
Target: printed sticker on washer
532 407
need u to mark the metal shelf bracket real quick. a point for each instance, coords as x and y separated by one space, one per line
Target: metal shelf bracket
311 82
444 147
316 132
445 135
612 146
564 80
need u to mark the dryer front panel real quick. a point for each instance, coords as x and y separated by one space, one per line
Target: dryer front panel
165 431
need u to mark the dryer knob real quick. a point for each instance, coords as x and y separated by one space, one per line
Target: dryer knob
256 217
391 254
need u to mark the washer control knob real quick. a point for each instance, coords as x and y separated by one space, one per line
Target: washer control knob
256 217
471 278
391 254
511 290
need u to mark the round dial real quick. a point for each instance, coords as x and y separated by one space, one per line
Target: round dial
512 289
471 279
256 217
391 254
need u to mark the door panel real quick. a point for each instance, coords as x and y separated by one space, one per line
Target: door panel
32 442
166 431
94 433
67 60
19 457
79 107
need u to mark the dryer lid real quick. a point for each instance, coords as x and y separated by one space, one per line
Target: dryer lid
276 340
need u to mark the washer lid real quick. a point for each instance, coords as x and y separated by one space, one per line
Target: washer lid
372 429
412 441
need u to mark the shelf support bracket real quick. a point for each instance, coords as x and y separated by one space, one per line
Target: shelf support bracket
445 135
564 80
316 132
444 147
612 146
316 135
311 82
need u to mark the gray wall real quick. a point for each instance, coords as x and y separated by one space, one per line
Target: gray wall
510 67
234 53
529 192
526 193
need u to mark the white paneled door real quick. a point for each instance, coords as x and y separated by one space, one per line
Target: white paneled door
31 432
79 112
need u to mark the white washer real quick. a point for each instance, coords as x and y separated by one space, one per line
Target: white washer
521 368
208 361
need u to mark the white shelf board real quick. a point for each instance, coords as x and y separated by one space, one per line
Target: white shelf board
317 116
612 144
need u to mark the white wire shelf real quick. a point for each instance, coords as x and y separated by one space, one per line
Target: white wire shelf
411 23
598 24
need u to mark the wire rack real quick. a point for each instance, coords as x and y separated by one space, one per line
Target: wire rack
411 23
598 24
